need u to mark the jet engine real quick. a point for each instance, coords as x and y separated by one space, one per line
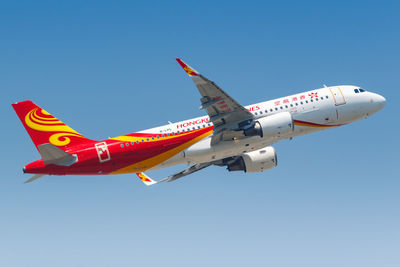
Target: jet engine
255 161
278 125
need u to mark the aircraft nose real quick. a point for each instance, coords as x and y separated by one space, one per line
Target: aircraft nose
377 102
380 101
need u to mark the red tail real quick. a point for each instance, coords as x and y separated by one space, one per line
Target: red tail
44 128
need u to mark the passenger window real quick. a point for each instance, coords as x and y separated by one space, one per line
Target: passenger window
312 100
301 102
276 109
132 143
137 142
322 97
286 106
356 91
158 136
122 145
296 104
147 139
281 107
362 90
316 99
326 97
306 101
256 113
142 140
271 110
152 138
260 112
162 135
127 144
291 105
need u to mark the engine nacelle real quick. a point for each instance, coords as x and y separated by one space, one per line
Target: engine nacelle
279 125
255 161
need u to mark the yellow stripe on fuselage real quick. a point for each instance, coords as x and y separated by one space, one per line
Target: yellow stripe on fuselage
154 161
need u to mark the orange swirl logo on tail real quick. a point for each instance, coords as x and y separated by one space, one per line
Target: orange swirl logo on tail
40 120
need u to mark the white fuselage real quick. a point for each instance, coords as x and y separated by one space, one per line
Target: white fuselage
311 111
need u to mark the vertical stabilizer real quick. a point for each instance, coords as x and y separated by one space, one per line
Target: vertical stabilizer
44 128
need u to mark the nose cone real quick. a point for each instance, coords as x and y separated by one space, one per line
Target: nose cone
376 103
380 101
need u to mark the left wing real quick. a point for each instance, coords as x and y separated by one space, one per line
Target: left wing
225 113
194 168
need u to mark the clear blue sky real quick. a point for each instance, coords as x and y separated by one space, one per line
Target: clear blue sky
108 68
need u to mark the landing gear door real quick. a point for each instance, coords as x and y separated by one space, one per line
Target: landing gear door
102 152
338 96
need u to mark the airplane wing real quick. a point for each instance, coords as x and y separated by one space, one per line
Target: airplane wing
187 171
194 168
225 113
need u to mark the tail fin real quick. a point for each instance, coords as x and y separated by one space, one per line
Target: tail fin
44 128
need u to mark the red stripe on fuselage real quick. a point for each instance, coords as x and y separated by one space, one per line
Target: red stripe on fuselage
88 162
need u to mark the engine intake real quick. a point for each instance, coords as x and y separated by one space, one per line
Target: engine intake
279 125
255 161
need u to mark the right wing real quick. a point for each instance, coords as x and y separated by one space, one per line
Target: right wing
225 113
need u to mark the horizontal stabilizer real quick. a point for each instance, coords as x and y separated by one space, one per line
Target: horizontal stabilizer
35 177
54 155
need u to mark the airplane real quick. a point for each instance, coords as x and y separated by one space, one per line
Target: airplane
231 135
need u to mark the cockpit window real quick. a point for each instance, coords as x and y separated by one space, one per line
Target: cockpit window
361 90
356 90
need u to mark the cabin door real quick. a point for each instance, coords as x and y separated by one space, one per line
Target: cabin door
338 96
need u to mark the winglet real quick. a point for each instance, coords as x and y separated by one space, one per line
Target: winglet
145 179
189 70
